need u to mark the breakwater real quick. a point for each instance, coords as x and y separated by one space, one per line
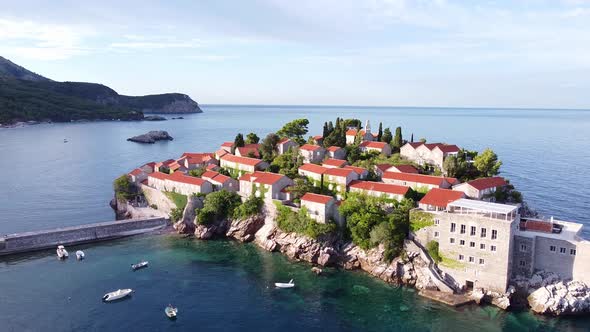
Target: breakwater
45 239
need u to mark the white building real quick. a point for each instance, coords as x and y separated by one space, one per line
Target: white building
220 181
285 144
240 165
336 152
380 147
264 184
312 153
179 183
483 188
428 154
418 182
379 189
320 207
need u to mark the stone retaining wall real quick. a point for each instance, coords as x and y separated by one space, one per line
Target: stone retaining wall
30 241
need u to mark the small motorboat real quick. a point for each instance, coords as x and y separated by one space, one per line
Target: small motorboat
139 265
62 253
116 295
79 255
290 284
171 311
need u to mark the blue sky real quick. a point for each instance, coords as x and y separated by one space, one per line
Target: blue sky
529 53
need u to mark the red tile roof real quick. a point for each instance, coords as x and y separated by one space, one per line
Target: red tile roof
227 144
353 132
211 166
406 169
358 170
334 162
159 176
197 158
334 148
245 150
538 226
373 145
136 172
340 172
380 187
415 144
383 167
220 153
284 140
313 168
215 177
179 177
241 160
316 198
309 147
441 197
262 177
446 148
318 137
150 164
165 163
418 178
485 183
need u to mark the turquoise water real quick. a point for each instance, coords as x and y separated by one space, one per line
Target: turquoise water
222 285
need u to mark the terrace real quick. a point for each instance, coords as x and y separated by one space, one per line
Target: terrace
483 209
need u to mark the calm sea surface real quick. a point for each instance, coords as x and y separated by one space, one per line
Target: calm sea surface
221 285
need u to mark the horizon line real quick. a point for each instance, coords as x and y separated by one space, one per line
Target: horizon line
413 107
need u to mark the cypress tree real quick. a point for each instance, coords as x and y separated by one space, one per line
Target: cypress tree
325 133
380 132
412 138
386 137
397 139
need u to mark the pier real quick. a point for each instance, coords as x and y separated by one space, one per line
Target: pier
46 239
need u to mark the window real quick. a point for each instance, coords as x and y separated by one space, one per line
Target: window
522 263
436 234
494 234
471 259
562 250
573 252
437 221
482 261
552 248
493 248
483 232
472 233
472 244
453 226
462 229
523 247
461 257
462 242
452 240
482 246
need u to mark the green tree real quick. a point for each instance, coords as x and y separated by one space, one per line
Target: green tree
217 206
423 140
451 166
238 142
487 163
288 163
397 139
301 186
268 147
197 172
295 130
412 138
123 188
380 132
432 248
252 138
386 137
353 153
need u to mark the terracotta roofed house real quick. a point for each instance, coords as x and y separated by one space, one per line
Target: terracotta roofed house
313 172
198 160
220 181
437 199
285 144
179 183
227 146
336 152
379 189
483 188
163 166
264 184
334 163
337 179
320 207
403 169
362 172
381 147
428 153
239 165
312 153
418 182
137 175
248 150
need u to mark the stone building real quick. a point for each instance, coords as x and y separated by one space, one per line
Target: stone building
381 147
320 207
313 173
336 152
483 188
379 189
137 175
365 134
285 144
428 154
237 165
220 181
264 184
334 163
198 160
312 153
337 179
179 183
362 173
418 182
475 240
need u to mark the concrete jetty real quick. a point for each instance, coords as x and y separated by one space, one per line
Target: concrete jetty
45 239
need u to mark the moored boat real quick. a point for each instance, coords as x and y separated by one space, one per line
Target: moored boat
139 265
289 284
116 295
171 311
62 253
80 255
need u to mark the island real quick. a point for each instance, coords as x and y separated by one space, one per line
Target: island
29 98
430 215
151 137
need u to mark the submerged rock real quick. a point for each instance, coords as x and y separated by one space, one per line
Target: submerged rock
316 270
151 137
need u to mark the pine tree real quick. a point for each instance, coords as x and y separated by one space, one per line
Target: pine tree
380 132
239 140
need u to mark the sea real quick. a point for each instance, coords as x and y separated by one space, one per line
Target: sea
226 286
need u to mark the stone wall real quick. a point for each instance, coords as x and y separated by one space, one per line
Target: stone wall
154 196
30 241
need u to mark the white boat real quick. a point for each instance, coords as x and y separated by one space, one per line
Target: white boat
80 255
139 265
62 253
290 284
118 294
171 311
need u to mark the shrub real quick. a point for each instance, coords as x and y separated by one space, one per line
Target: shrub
197 172
248 208
179 200
123 188
432 248
301 223
176 214
218 205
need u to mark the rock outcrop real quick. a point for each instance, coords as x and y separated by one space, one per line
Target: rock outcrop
561 298
154 118
151 137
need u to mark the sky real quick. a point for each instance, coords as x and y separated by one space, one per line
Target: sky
529 53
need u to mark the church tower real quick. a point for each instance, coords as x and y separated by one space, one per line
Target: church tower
367 127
